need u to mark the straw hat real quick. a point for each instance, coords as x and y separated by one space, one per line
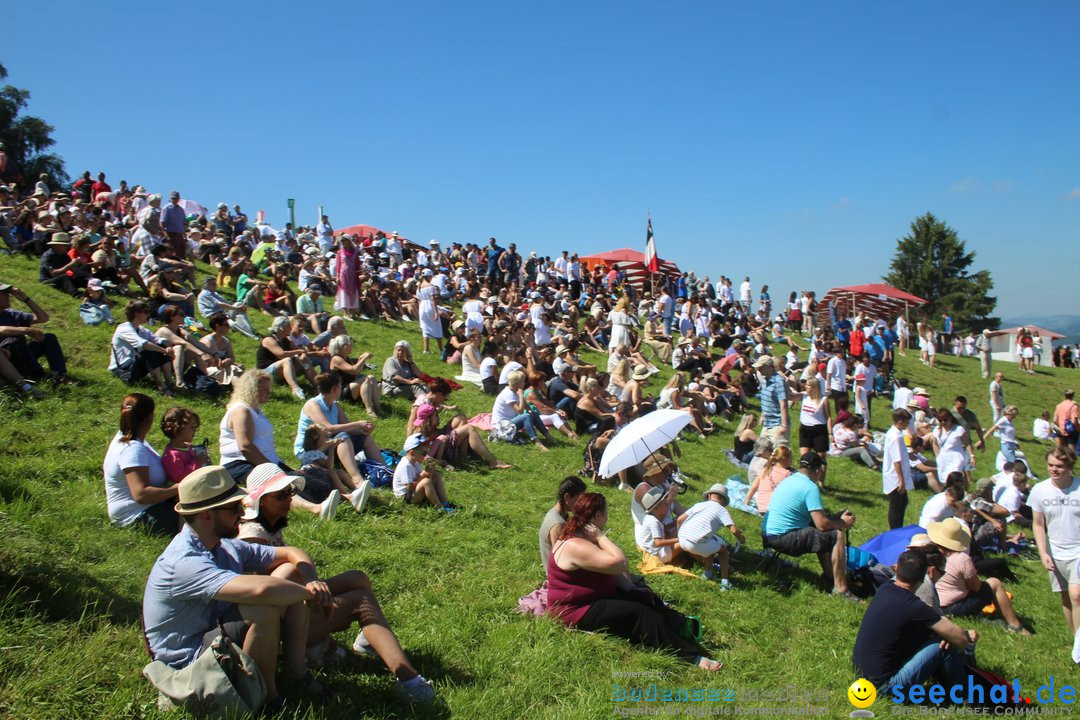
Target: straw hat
950 534
641 372
267 479
60 238
207 488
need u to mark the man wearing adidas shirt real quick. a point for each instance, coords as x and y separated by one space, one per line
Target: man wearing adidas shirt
1055 507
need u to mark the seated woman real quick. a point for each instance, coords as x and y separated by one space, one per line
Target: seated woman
279 297
744 437
270 497
137 352
535 396
400 375
772 474
570 489
763 450
246 435
277 357
457 439
221 348
358 387
456 343
324 409
165 290
510 406
592 412
671 399
960 590
186 349
137 489
847 442
633 392
471 360
618 377
584 591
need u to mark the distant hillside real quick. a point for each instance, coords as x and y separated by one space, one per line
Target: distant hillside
1068 325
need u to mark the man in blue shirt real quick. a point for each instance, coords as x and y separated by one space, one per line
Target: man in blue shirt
796 523
493 253
174 223
201 584
774 407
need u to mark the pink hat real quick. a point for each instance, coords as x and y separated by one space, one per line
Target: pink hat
423 412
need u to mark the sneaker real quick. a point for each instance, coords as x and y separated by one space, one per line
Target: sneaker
361 646
29 390
359 496
726 585
299 392
417 690
364 317
329 506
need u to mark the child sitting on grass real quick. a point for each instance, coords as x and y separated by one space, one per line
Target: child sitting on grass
321 477
180 458
414 482
650 534
697 533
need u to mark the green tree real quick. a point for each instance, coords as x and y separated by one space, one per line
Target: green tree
26 140
932 262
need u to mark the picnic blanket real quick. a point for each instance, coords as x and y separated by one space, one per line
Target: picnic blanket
737 490
428 379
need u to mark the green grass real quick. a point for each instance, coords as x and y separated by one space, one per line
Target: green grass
71 584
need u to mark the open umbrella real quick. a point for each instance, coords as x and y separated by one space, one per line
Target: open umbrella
639 439
887 546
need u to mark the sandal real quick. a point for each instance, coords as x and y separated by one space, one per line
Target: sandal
847 595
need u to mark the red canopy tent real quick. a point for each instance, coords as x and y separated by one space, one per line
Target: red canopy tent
879 299
630 262
366 235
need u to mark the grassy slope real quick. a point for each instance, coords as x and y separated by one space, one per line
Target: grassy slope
71 585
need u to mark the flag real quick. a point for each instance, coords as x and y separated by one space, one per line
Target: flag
651 261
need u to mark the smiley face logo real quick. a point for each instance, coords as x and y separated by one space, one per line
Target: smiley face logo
862 693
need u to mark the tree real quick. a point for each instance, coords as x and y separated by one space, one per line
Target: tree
25 141
933 263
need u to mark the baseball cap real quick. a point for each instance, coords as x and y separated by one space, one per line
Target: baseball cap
413 441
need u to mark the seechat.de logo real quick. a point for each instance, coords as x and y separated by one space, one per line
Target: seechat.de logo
976 694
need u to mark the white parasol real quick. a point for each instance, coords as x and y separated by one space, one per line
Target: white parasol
641 438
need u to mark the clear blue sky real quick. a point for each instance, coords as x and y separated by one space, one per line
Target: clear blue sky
791 141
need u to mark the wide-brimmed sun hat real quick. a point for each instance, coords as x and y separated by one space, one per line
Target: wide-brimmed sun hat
207 488
950 534
267 479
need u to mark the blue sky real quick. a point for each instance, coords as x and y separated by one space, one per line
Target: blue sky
791 141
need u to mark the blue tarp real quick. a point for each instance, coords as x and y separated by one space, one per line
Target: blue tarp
887 546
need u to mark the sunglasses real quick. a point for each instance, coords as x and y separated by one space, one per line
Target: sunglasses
283 494
234 508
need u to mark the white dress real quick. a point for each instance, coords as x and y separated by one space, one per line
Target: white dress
951 454
470 372
474 315
430 325
620 329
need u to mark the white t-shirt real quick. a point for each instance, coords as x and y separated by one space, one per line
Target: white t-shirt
836 374
1061 510
894 451
935 509
647 533
901 397
503 409
405 473
1006 430
121 456
504 376
744 291
1040 429
487 367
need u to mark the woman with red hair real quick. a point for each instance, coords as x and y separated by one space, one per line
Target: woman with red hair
588 588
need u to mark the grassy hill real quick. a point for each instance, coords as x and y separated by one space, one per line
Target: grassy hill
71 584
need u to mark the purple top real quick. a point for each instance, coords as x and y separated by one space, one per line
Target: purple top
572 592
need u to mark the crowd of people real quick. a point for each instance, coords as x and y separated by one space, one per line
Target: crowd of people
532 333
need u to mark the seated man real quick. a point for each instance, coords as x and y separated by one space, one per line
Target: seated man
796 524
203 579
400 374
23 343
310 307
902 641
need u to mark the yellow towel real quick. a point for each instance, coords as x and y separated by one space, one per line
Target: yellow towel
652 565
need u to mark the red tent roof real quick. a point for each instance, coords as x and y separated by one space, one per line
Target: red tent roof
877 298
630 262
